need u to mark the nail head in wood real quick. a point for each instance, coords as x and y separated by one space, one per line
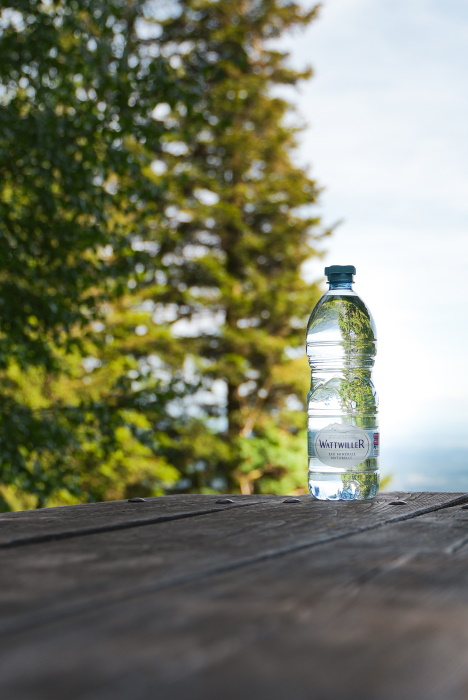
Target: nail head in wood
224 500
291 500
398 503
136 500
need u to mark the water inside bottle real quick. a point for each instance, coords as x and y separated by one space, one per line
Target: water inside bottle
342 403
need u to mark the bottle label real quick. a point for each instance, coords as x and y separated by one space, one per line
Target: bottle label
343 445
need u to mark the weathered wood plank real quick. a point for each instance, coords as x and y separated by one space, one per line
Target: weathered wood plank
29 527
36 526
56 578
381 613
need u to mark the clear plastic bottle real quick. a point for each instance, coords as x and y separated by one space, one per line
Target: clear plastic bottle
342 429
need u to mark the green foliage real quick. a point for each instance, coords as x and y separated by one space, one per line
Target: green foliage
240 235
151 297
72 154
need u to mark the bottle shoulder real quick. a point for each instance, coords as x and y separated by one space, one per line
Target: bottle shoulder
341 313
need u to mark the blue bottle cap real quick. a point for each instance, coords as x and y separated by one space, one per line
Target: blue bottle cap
340 273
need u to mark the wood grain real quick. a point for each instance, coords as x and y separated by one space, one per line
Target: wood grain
36 526
311 600
50 579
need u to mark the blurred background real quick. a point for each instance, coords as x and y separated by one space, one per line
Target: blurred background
388 138
174 181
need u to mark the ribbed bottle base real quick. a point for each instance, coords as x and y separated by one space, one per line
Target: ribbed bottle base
343 486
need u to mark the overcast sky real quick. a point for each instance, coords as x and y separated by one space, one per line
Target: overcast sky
388 139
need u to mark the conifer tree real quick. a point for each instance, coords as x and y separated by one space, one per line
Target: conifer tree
152 288
240 230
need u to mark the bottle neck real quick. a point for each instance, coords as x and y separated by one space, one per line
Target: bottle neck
340 285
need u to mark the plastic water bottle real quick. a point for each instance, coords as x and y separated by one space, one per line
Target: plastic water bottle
342 430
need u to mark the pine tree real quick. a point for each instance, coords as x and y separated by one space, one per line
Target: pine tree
155 225
240 230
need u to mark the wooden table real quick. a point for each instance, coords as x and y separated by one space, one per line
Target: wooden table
184 597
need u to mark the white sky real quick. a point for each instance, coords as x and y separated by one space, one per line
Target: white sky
387 115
